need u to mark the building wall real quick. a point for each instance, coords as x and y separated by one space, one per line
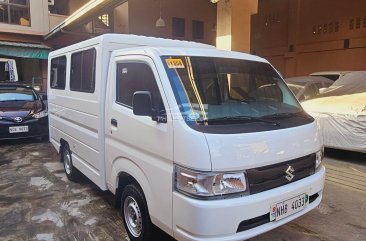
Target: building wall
121 16
39 25
55 19
75 5
144 13
38 18
304 36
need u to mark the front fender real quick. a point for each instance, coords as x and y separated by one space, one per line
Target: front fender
123 165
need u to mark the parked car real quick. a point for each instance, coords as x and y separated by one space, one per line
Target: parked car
332 75
308 87
341 112
22 113
242 159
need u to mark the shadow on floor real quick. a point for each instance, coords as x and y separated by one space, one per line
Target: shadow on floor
346 156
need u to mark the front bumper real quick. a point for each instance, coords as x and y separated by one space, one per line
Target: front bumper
36 127
219 220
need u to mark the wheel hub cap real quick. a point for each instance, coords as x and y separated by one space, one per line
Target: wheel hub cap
67 162
132 215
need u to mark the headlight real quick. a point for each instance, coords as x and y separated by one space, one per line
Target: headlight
41 114
319 158
209 184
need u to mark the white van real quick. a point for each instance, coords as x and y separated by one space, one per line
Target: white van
203 143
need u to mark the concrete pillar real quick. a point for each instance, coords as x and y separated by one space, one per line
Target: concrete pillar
293 27
233 24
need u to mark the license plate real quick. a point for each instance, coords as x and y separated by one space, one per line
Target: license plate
287 208
18 129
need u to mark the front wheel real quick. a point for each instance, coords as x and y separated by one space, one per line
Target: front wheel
135 214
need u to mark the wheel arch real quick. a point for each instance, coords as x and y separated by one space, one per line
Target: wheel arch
63 143
126 172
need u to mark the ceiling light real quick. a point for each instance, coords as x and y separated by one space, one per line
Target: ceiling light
160 22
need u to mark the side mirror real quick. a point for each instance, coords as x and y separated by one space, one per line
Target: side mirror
142 103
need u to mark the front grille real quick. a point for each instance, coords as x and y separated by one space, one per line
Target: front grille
268 177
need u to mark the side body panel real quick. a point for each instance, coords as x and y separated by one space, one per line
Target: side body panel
75 118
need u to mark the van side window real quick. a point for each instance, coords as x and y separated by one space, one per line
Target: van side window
82 76
132 77
58 73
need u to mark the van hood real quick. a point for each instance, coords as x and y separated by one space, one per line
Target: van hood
235 152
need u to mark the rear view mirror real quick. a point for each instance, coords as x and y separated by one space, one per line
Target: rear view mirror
142 104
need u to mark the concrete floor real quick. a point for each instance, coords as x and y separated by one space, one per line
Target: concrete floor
37 202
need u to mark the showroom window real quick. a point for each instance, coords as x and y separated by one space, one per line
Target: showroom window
179 26
15 12
58 73
82 76
197 29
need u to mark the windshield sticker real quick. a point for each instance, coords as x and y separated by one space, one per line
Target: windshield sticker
175 63
193 116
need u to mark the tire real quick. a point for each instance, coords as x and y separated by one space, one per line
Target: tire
135 214
71 172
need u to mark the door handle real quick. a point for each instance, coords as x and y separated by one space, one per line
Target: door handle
114 122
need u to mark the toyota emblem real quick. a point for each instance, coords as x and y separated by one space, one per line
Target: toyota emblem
18 119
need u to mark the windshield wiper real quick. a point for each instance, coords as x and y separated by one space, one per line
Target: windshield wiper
239 119
246 100
280 115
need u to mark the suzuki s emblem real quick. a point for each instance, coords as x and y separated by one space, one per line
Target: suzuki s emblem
18 119
290 173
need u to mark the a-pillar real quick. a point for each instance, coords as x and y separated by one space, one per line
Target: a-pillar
233 24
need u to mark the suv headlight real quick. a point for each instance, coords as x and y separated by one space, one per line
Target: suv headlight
41 114
209 184
319 158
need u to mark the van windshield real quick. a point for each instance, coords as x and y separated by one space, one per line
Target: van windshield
210 90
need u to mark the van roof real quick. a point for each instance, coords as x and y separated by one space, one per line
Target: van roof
188 51
161 46
129 40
